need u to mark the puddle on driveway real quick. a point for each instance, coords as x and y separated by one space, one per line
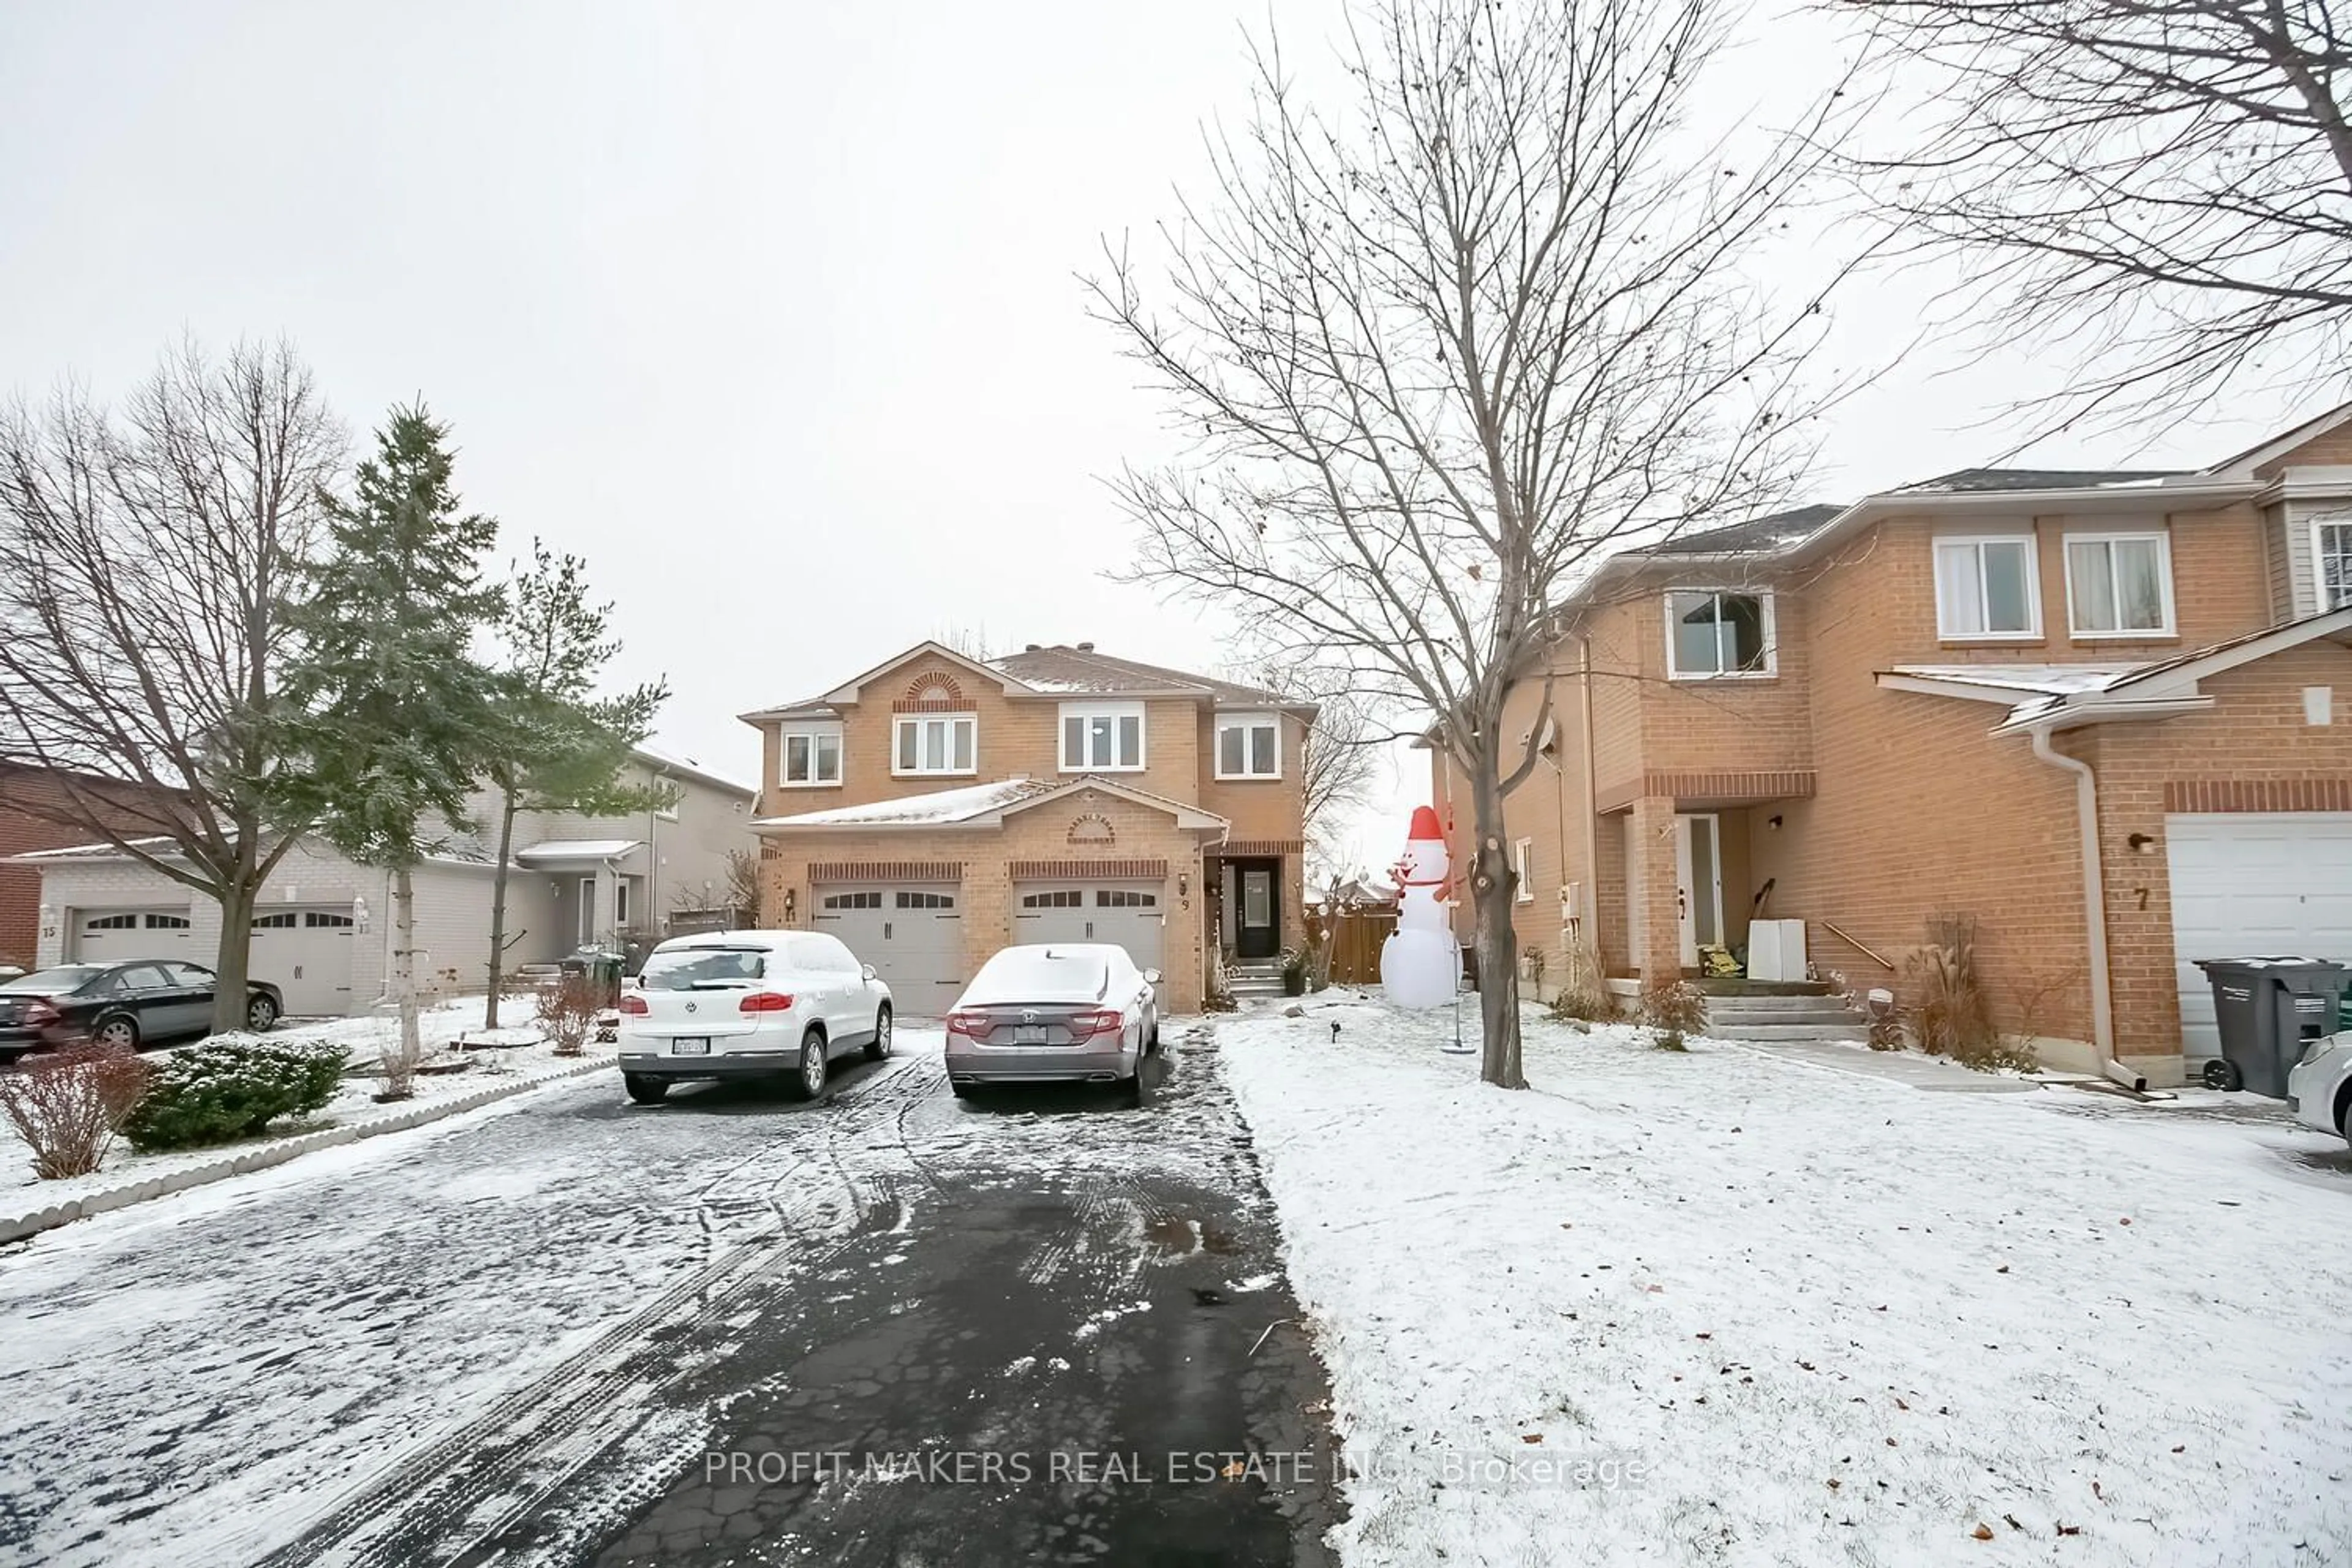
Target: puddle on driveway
1176 1236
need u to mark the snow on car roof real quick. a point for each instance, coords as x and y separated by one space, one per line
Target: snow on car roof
1065 972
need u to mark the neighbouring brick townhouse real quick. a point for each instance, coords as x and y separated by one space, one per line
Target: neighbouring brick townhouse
936 808
2096 710
37 809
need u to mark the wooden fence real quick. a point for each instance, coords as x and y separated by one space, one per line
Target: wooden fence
1356 938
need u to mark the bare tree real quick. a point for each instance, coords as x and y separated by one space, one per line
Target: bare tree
1437 350
143 563
2160 190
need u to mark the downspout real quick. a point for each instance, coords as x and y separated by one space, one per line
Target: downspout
1591 915
2095 908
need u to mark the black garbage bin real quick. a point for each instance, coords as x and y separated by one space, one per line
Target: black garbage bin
2268 1009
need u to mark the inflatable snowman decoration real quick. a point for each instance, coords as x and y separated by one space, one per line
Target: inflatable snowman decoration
1420 964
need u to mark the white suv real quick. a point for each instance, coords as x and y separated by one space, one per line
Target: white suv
749 1004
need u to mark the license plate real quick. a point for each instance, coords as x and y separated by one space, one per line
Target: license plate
1029 1035
690 1046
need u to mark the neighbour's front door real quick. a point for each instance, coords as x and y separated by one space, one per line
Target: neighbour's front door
1698 884
1261 922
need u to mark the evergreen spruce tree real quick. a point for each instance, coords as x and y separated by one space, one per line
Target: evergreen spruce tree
393 713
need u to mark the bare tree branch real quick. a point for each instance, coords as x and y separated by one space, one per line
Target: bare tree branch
2160 190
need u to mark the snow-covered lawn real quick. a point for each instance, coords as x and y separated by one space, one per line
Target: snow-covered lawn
1727 1308
440 1024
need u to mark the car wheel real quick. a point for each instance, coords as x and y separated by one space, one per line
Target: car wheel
2343 1112
1152 1044
809 1081
261 1014
963 1091
646 1091
1134 1093
120 1031
2222 1074
878 1048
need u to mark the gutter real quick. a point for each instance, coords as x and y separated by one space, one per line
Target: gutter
2095 909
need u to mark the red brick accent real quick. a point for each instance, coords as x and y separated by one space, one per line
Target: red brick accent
1089 870
886 871
1786 784
2258 794
913 701
36 813
1240 847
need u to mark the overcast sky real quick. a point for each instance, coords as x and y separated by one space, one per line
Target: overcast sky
768 309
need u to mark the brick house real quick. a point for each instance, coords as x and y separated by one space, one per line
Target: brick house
2093 710
36 808
937 807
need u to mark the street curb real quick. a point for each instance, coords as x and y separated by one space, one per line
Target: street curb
262 1156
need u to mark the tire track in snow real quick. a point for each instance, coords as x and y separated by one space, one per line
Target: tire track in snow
462 1483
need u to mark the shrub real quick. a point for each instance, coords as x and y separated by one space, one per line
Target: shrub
567 1012
1954 1014
233 1088
69 1104
1672 1008
1584 1007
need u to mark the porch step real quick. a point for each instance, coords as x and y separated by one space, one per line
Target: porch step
1762 1031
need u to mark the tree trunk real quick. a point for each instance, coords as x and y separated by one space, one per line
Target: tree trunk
1493 893
404 961
498 908
232 959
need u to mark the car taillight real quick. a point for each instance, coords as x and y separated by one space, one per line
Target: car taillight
765 1001
40 1013
1086 1025
970 1025
634 1005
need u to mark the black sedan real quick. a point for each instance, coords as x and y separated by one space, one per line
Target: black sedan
130 1004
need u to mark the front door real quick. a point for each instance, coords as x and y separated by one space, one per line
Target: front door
1698 884
1259 931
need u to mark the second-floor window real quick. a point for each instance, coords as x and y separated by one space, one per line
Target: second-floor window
812 757
1711 633
936 743
1249 746
2118 584
1987 588
1102 737
2331 544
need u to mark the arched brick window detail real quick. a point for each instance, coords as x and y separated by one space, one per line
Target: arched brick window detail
933 692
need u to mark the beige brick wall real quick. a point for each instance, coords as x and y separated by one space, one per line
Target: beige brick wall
987 855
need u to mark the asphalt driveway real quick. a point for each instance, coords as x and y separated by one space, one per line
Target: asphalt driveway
892 1328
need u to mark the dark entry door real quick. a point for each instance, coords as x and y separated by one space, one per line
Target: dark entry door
1259 932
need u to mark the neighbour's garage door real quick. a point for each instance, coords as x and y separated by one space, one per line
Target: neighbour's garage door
2254 885
307 954
1126 913
111 936
912 936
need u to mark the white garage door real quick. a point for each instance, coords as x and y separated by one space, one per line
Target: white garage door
110 936
2254 885
912 936
307 954
1127 913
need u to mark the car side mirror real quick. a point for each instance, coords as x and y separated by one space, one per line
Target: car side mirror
868 970
1151 976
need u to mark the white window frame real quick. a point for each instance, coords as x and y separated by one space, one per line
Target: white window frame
2111 537
1523 861
1114 712
969 722
2319 525
587 922
1246 722
2033 545
1763 598
814 735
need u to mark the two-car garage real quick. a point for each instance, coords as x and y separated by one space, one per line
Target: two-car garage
914 934
307 953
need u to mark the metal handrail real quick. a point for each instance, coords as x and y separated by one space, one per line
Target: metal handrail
1831 926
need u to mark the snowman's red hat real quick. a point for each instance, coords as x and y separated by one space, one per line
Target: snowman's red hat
1424 823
